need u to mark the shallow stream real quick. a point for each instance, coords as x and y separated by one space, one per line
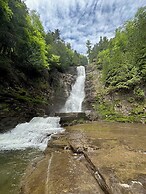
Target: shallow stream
119 146
12 167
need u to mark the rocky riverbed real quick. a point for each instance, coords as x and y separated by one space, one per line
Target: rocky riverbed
91 158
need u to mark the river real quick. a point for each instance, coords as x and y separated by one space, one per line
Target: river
111 146
12 167
118 147
21 144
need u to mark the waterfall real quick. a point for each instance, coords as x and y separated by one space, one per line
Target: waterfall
34 134
74 101
37 132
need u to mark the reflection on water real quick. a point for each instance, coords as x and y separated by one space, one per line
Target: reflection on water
12 166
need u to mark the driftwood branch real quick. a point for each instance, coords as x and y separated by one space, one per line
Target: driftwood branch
95 171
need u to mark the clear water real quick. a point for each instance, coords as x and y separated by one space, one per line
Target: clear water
77 95
15 152
12 167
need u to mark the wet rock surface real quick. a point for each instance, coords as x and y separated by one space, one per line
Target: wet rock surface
92 85
21 100
68 119
61 87
103 158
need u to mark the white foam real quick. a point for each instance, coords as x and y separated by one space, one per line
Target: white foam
74 101
34 134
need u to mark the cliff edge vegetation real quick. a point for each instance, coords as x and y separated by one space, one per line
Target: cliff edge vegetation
120 66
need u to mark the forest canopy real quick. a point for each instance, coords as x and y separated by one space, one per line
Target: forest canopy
122 59
25 45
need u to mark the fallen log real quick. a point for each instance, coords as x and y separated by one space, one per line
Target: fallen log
94 170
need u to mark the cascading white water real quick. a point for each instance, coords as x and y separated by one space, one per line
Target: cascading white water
74 101
37 132
34 134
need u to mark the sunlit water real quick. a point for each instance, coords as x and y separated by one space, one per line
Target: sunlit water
77 95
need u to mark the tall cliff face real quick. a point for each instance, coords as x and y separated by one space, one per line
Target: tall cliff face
61 84
25 96
91 87
123 106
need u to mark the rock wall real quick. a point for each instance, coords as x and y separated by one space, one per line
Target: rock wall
90 91
122 106
91 87
22 97
61 87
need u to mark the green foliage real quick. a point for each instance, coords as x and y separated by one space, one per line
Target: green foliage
54 60
5 11
83 60
67 57
24 43
122 59
139 93
139 113
107 112
88 45
102 45
38 49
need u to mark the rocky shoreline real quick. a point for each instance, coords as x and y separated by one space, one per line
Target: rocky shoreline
82 161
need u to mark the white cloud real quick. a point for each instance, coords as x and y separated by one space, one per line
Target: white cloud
79 20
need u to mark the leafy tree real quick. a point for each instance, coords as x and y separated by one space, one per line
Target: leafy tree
58 47
101 45
25 45
123 58
38 49
88 45
5 11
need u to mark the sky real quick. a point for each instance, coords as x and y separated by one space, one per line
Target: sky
82 20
